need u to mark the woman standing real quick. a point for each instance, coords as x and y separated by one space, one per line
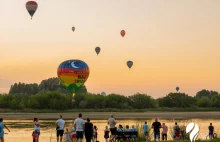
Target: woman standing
37 128
2 126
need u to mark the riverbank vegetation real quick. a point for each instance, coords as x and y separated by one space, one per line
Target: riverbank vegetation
50 95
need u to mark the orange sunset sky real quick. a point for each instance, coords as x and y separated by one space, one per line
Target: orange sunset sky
171 42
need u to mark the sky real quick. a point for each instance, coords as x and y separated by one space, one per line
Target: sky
171 42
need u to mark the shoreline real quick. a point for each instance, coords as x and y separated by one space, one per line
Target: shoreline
118 115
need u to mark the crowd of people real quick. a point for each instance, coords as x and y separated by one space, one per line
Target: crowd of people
178 133
80 128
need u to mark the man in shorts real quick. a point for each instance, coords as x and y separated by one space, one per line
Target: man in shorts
211 131
79 125
60 128
113 129
156 126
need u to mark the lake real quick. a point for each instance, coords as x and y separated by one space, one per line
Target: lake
21 130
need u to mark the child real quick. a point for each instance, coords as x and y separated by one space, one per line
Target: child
34 136
106 135
67 133
95 134
73 134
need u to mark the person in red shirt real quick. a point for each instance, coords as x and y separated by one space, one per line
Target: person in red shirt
34 136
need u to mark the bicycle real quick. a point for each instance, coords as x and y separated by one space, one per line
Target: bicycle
214 136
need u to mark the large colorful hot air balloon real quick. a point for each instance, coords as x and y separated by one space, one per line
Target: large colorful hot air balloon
123 33
31 7
73 74
97 50
129 64
177 88
73 29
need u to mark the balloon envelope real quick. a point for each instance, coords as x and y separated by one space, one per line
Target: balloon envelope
177 88
103 94
97 50
123 33
129 64
73 29
31 7
73 74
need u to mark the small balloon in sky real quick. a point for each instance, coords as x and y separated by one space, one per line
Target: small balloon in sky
129 64
97 50
73 29
31 7
177 88
123 33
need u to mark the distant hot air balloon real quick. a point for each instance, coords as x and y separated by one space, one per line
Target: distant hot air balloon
123 33
31 7
73 29
97 50
103 94
129 64
177 88
73 74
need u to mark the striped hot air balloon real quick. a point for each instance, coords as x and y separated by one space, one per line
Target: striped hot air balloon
31 7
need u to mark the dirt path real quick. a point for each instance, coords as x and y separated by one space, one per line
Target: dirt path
118 115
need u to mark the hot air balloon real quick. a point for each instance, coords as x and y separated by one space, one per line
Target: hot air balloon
123 33
73 29
97 50
129 64
103 94
31 7
73 74
177 88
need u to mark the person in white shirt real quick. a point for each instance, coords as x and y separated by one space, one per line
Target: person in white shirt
113 129
37 128
79 124
60 128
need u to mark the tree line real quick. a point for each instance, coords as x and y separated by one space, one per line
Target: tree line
51 94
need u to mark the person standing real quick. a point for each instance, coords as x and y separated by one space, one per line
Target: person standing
156 126
211 131
60 128
164 132
88 130
73 134
106 133
176 130
145 127
2 126
113 129
79 124
37 128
